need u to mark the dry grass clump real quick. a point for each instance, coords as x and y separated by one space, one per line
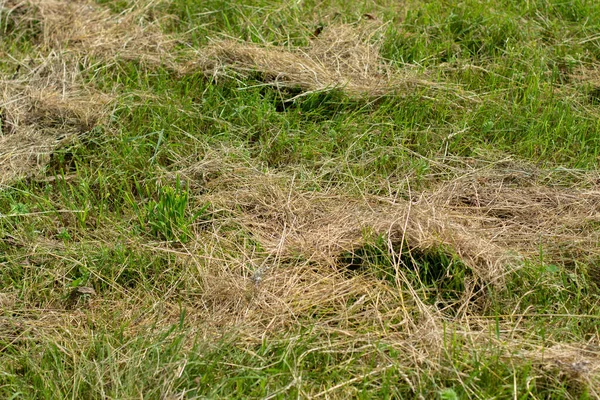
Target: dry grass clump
586 74
527 217
48 105
575 364
237 288
292 273
342 56
323 227
41 110
81 26
271 295
485 220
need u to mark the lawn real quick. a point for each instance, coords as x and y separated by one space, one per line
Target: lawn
310 199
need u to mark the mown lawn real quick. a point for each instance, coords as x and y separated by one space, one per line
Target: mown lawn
260 199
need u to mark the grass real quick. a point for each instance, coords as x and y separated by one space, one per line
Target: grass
245 239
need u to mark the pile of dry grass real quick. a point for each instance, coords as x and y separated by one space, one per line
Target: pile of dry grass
40 110
83 27
46 105
342 56
572 364
290 271
526 217
491 221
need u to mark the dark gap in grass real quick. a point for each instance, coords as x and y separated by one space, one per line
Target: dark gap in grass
441 276
62 162
318 106
594 95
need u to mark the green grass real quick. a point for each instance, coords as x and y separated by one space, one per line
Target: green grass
121 211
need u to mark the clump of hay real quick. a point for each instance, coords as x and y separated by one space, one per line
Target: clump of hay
272 259
343 56
586 74
46 105
525 216
83 27
262 296
487 222
41 110
323 227
576 365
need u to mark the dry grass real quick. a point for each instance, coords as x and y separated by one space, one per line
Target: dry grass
293 270
526 217
46 105
82 27
574 363
43 108
493 220
345 57
490 220
69 32
288 274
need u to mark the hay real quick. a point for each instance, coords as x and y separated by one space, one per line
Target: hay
46 105
322 228
491 224
41 110
345 57
84 28
527 217
260 301
574 364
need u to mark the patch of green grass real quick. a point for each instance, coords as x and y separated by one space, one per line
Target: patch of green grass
282 368
554 299
168 217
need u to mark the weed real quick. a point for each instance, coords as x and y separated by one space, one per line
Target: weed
168 217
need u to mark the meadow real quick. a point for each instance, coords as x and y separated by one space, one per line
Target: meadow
308 199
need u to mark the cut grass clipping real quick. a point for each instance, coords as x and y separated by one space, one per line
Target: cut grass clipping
342 57
45 107
490 218
149 249
84 28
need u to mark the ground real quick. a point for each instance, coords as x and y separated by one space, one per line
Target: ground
261 199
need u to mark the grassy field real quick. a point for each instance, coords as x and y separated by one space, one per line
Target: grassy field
310 199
